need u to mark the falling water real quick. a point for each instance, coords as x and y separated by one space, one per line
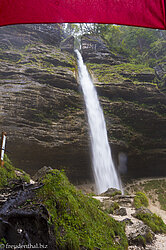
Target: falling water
103 167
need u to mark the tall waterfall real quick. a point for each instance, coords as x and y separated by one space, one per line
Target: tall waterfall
103 167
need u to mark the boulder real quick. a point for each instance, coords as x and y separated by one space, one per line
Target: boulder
140 235
111 192
121 211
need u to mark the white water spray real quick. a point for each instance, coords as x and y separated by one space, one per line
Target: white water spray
103 167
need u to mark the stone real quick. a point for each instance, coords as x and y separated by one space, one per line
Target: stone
68 44
42 108
127 221
95 50
140 235
121 211
141 210
41 173
111 192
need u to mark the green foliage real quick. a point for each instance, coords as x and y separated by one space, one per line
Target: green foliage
140 200
153 221
77 219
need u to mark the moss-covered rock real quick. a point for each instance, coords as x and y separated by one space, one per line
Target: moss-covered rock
9 173
77 219
135 73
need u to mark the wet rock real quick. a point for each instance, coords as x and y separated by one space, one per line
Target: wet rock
121 211
25 34
140 235
125 200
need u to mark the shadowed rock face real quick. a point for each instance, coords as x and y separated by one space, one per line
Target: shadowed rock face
95 50
41 107
42 110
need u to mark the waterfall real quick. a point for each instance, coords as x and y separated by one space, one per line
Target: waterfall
103 167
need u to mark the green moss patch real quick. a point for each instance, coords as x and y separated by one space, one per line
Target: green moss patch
119 73
8 172
78 220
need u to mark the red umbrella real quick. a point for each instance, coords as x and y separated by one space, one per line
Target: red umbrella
146 13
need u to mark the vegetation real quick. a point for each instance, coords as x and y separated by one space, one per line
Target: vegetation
78 220
8 172
140 200
153 221
118 73
155 190
112 208
139 45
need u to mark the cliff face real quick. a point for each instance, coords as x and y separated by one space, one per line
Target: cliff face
134 108
42 109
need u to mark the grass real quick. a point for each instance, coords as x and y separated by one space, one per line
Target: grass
159 187
154 190
153 221
140 200
78 220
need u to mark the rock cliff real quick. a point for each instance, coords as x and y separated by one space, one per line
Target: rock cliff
42 109
134 108
41 106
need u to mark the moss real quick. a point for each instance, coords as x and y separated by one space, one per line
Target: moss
8 172
77 219
140 200
118 73
153 221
